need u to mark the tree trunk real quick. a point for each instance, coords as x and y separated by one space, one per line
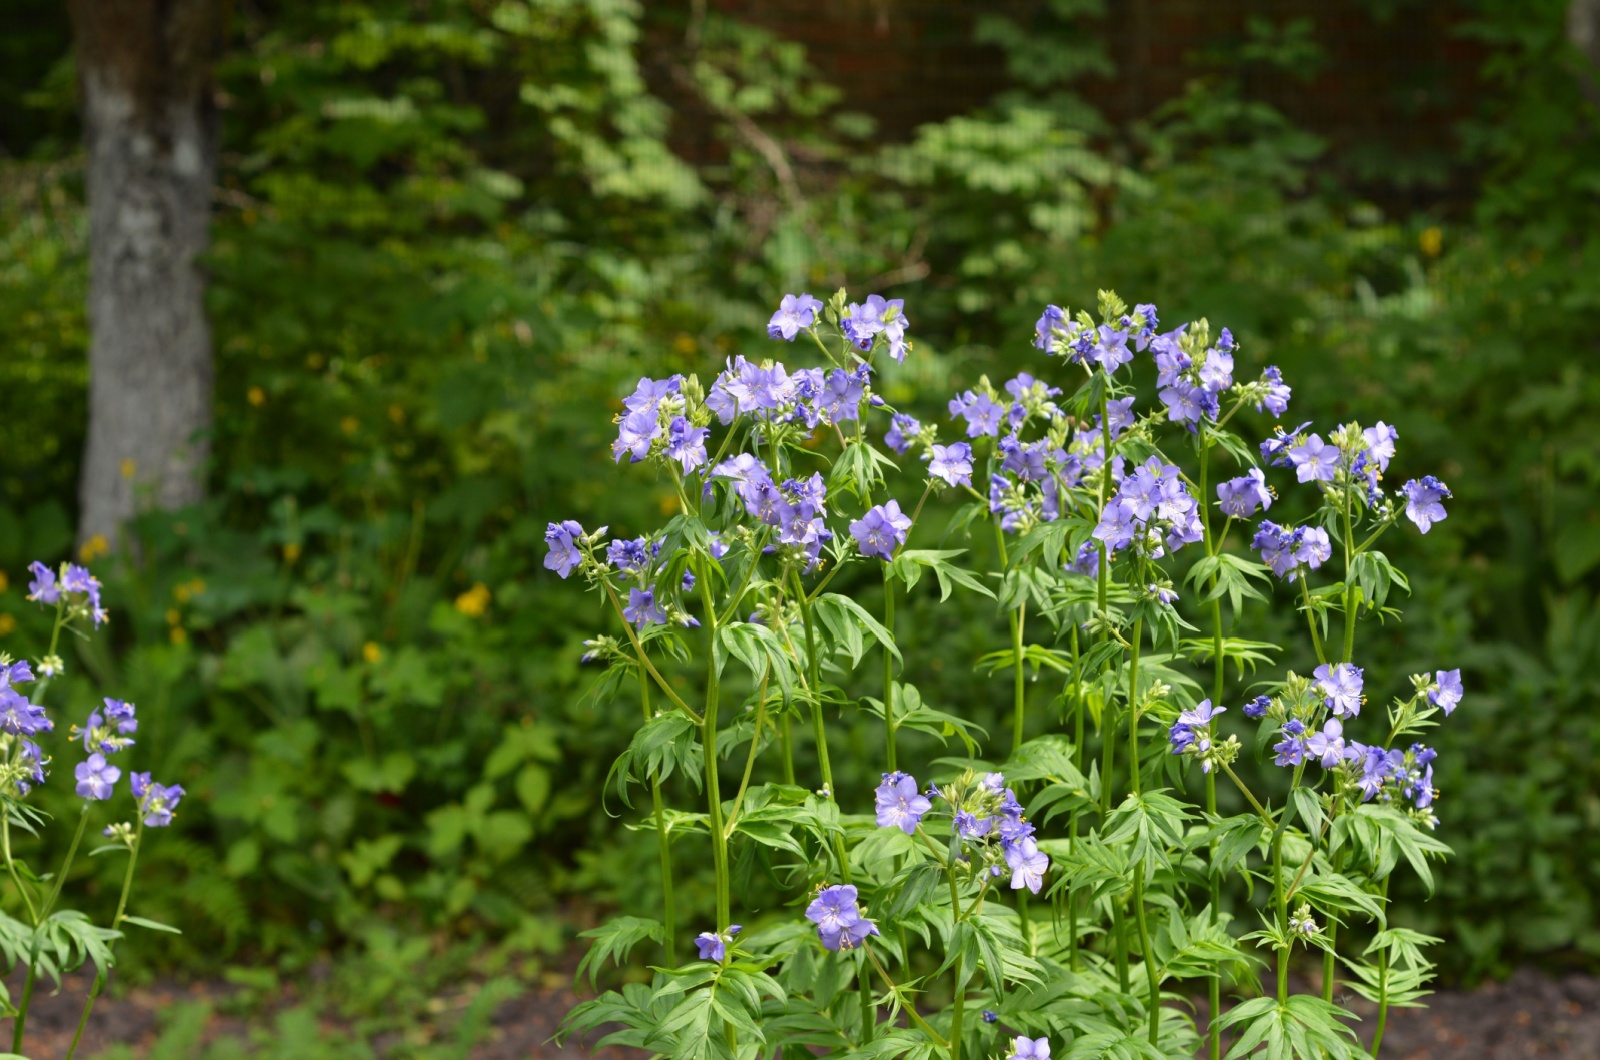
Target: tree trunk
149 124
1583 30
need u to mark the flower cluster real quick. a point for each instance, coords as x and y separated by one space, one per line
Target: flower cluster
1193 734
1152 511
840 923
76 590
1285 550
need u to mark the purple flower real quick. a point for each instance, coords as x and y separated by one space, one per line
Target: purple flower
1028 865
1117 526
1380 443
1277 545
980 411
1111 348
840 400
881 530
95 777
1291 752
879 316
631 557
1424 501
649 393
989 1014
43 587
1315 460
717 547
686 444
635 432
899 803
953 463
1054 318
1314 548
1087 561
156 801
1202 714
642 608
840 924
1275 399
1185 403
1446 691
1225 340
1216 374
1327 745
1275 450
1242 496
562 539
1341 686
1257 707
895 437
969 825
795 313
76 579
1180 736
710 944
1030 1049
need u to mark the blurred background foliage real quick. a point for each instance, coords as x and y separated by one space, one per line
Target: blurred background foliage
448 235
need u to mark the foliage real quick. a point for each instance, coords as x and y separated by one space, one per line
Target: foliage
447 232
1133 859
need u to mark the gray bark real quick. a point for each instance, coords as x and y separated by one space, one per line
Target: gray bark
1583 30
150 133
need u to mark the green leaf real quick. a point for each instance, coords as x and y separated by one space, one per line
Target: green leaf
153 925
870 624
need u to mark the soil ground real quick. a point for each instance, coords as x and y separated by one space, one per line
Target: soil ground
1529 1015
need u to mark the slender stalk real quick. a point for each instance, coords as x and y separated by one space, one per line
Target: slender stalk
1133 706
750 759
910 1009
955 1016
1249 795
644 660
1119 943
1282 903
1153 1005
1107 718
66 865
888 669
708 741
1383 986
1311 620
819 731
1214 983
786 742
27 1002
11 865
1018 689
1077 762
116 924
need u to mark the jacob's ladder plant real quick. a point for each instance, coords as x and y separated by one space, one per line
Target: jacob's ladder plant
49 940
1124 557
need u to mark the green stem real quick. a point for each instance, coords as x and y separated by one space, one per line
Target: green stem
66 866
1383 986
1077 762
1133 706
708 740
116 924
1250 796
750 759
910 1009
1119 943
11 865
1311 620
644 660
663 839
1107 718
888 669
1282 903
955 1016
786 741
819 731
27 1002
1018 689
1153 1006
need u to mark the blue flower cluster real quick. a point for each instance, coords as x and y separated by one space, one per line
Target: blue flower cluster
1152 508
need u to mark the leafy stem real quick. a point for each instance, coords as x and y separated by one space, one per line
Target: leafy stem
909 1007
644 660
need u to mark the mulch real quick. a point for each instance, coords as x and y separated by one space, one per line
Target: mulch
1529 1015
